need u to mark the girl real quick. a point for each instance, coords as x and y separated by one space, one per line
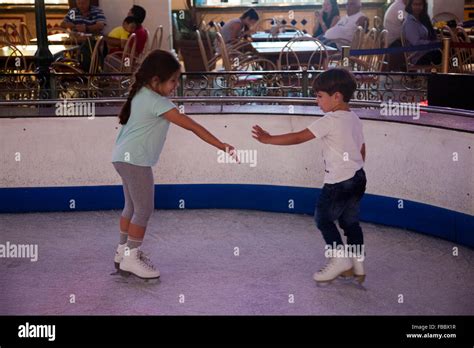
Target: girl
328 19
146 117
237 28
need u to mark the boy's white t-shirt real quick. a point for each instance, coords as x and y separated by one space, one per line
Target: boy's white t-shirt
342 137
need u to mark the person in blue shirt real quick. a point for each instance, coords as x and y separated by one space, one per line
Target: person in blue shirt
145 118
85 18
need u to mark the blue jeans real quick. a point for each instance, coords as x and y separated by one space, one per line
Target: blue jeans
341 201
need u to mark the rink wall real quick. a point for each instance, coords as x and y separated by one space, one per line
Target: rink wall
419 177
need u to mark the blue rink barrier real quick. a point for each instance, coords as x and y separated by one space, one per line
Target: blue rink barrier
424 218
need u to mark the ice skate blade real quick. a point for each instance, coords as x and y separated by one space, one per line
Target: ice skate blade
126 274
359 278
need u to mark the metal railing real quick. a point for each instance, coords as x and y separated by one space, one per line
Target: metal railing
372 86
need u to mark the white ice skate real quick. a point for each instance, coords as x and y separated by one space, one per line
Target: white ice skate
137 263
358 267
119 255
336 266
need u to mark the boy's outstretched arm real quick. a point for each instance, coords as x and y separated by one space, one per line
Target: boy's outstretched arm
174 116
284 139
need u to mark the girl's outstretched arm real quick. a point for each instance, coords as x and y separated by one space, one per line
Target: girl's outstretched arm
179 119
284 139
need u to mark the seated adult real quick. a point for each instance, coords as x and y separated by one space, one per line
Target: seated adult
85 18
327 18
345 28
393 20
418 30
238 27
142 35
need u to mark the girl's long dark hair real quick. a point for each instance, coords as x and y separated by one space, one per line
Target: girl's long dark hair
424 17
334 12
158 63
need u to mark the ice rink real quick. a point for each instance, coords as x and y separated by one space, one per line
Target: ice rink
195 251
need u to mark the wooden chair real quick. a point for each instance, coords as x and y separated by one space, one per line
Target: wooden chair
3 35
15 62
234 45
414 67
85 86
368 84
289 59
378 23
25 34
12 33
355 44
236 61
466 55
209 62
207 30
157 39
122 62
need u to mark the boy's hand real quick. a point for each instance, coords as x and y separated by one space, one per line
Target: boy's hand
230 150
260 134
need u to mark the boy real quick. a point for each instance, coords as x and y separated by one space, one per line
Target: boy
121 34
344 182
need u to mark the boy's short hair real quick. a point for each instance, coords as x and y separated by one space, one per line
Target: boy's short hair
130 19
252 14
336 80
139 13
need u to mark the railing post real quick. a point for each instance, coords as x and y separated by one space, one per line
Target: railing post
181 86
43 55
305 82
446 49
345 56
53 86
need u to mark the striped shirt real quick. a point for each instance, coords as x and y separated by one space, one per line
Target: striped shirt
95 15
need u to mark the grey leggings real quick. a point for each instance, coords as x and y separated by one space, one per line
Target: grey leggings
139 192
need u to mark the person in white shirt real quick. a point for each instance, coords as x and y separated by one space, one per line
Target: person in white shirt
345 28
340 131
393 20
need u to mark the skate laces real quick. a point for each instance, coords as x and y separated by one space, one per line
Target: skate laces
145 260
328 265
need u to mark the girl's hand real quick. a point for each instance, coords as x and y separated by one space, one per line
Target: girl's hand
260 134
231 151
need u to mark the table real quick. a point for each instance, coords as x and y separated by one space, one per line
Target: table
61 38
286 36
304 50
7 55
28 51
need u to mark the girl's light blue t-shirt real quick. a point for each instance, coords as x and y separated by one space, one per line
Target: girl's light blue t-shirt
141 140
